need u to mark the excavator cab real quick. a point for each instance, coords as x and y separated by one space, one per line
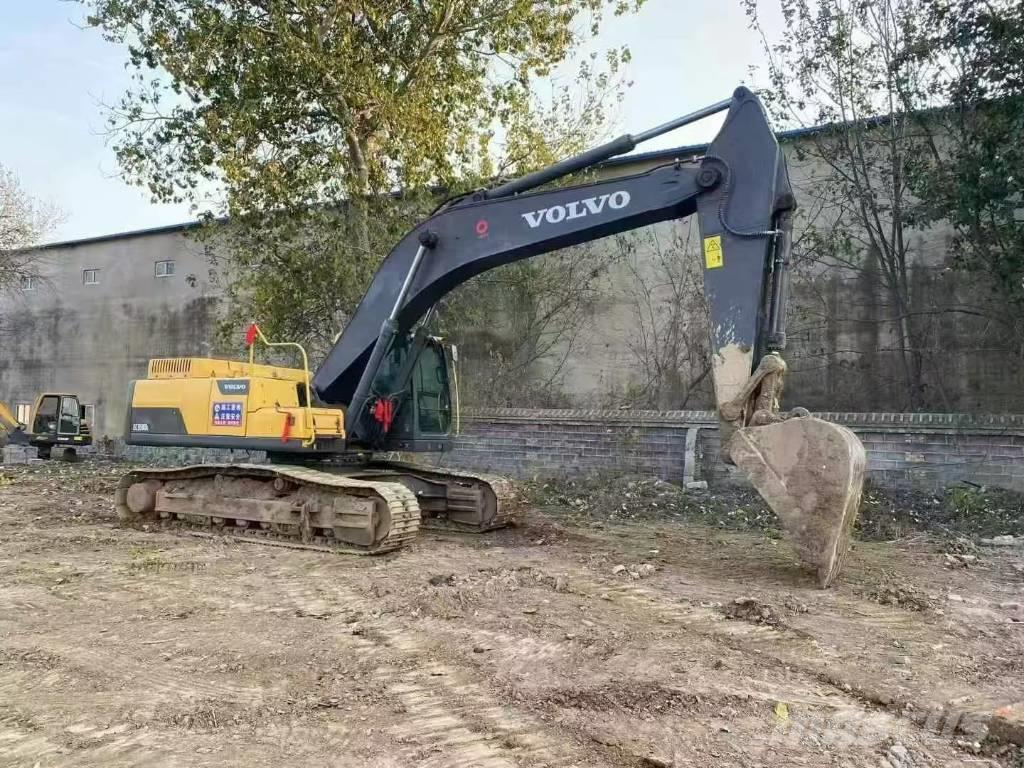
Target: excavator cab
415 410
59 420
56 419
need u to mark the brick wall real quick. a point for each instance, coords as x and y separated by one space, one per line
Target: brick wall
919 450
526 442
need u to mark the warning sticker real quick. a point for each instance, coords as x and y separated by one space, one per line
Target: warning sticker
227 414
713 251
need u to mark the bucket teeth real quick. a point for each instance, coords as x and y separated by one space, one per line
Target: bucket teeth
811 473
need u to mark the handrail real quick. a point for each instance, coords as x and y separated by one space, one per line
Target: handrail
310 423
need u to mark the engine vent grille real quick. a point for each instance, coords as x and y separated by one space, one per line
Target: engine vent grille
178 365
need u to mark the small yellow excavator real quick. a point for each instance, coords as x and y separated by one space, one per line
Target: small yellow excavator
57 420
387 385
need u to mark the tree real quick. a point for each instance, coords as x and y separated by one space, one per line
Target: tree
842 68
24 221
973 177
522 322
669 339
309 114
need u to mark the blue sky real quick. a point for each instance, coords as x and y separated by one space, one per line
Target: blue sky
54 76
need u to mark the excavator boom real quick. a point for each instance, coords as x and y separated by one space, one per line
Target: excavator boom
740 186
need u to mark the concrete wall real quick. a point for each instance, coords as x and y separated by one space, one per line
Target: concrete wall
93 339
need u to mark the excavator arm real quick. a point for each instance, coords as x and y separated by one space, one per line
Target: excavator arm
11 430
808 470
740 191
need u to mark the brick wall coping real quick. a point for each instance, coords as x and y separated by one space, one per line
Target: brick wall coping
899 422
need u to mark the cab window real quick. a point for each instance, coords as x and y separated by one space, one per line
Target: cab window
431 387
69 416
46 414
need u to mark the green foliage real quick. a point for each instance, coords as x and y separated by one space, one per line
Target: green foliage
301 273
966 502
294 102
974 178
841 65
301 117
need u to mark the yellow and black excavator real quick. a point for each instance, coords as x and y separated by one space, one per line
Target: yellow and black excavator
57 419
387 385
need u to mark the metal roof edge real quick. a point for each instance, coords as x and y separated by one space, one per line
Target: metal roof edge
161 230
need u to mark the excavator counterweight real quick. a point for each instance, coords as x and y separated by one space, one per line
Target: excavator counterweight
389 383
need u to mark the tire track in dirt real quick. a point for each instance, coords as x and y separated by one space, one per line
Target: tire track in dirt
816 663
21 743
456 708
456 717
75 745
813 683
116 671
446 712
518 652
107 659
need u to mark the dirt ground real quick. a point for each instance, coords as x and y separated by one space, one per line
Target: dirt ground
525 647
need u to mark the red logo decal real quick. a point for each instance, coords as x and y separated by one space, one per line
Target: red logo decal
482 228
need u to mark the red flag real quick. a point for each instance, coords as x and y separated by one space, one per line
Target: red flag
250 335
384 412
287 431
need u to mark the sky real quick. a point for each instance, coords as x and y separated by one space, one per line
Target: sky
55 76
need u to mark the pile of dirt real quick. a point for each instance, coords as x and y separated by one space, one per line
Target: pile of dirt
753 610
622 498
896 592
886 514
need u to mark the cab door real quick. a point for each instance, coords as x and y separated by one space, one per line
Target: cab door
46 416
70 419
425 414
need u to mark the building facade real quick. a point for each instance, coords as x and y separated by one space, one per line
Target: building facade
99 310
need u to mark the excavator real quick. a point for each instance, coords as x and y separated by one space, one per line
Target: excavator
58 421
387 385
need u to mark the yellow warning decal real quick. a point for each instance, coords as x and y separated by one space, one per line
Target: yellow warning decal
713 251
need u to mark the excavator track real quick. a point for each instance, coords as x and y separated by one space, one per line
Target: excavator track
461 501
289 506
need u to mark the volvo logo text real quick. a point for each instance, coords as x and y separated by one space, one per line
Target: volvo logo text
577 209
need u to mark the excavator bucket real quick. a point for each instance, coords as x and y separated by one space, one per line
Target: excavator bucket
11 430
811 473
